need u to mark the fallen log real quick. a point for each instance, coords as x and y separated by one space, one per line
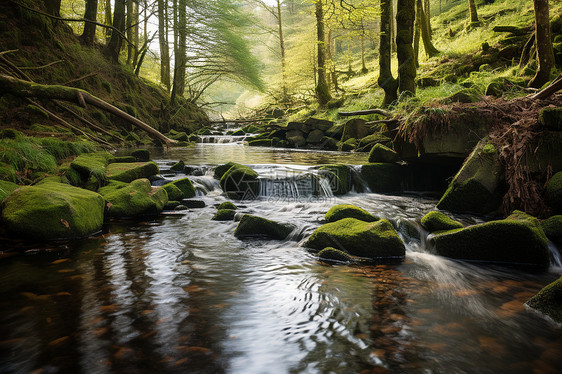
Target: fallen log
365 112
549 90
239 121
22 88
515 30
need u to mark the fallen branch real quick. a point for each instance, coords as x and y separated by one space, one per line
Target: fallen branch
80 78
365 112
24 88
239 121
41 67
551 89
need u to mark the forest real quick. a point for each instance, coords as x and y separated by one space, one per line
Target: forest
281 186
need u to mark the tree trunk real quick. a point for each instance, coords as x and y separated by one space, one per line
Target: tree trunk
393 25
52 7
180 60
364 69
163 41
89 34
545 52
322 89
427 12
405 16
386 81
430 49
417 31
114 46
107 11
472 12
129 29
135 39
282 47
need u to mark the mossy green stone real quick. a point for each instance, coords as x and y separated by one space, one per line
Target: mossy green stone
185 186
124 159
261 143
128 172
348 145
224 215
221 169
518 239
95 164
551 118
382 177
227 205
375 138
373 240
552 227
253 226
332 254
381 153
549 300
342 211
240 182
53 211
342 184
553 193
141 155
174 193
6 188
7 172
178 166
438 221
137 198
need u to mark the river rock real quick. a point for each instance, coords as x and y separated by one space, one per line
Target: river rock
355 128
553 193
382 177
297 126
92 164
174 193
224 215
477 187
141 155
438 221
138 198
128 172
549 301
377 138
240 182
381 153
518 239
253 226
261 143
336 131
342 211
193 204
6 188
53 211
318 124
348 145
329 144
178 166
331 254
374 240
227 205
552 227
221 169
340 183
184 185
315 136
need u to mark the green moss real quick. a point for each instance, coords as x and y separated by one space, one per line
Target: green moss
7 172
553 193
37 112
552 227
253 226
342 211
549 301
141 155
92 164
6 188
185 186
348 145
178 166
365 239
174 193
261 143
137 198
342 184
70 174
437 221
224 215
331 254
381 153
11 134
382 178
227 205
128 172
240 182
374 139
221 169
53 211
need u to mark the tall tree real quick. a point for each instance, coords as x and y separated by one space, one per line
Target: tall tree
89 34
405 16
425 29
129 20
545 52
114 46
108 21
52 7
282 48
180 57
386 81
163 41
322 88
473 14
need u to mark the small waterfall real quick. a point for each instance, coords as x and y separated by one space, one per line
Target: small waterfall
358 184
555 258
222 139
300 186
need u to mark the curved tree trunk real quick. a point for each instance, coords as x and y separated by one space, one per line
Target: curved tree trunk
322 89
114 46
545 53
405 16
89 34
430 49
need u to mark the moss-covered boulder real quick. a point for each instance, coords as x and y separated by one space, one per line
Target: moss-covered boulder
138 198
477 187
184 185
348 145
438 221
227 205
377 138
6 188
221 169
518 239
552 227
178 166
342 211
92 164
342 183
374 240
355 128
551 118
382 177
128 172
173 191
253 226
141 155
261 143
553 193
332 254
53 211
381 153
549 301
240 182
224 215
7 172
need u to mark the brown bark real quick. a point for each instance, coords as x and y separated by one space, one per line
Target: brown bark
89 34
322 89
163 41
405 16
430 49
108 20
473 14
114 46
386 81
545 52
282 47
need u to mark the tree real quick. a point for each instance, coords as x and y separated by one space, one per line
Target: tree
114 46
322 88
405 16
386 81
52 7
163 41
89 33
545 52
425 29
180 49
473 15
108 20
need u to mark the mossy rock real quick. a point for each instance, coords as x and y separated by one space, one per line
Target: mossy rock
551 118
261 143
518 239
240 182
348 145
552 227
342 211
224 215
253 226
329 144
6 188
171 204
382 177
355 128
381 153
142 155
549 300
221 169
468 95
88 164
553 193
227 205
331 254
239 132
124 159
138 198
374 139
185 188
178 166
7 172
128 172
53 211
342 183
374 240
438 221
409 230
173 191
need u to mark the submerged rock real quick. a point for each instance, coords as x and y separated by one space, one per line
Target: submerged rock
518 239
253 226
195 204
438 221
178 166
184 185
382 177
553 192
224 215
138 198
381 153
342 211
549 300
227 205
141 155
374 240
240 182
128 172
53 210
331 254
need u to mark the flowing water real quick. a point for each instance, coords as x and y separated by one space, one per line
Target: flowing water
180 294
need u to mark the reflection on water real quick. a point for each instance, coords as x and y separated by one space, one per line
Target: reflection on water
181 294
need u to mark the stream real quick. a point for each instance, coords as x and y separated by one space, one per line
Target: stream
180 294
